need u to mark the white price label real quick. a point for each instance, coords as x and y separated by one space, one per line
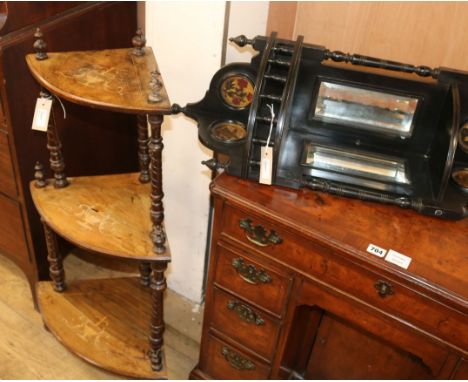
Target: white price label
375 250
399 259
42 114
266 164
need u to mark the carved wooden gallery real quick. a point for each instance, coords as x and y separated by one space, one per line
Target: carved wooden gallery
339 201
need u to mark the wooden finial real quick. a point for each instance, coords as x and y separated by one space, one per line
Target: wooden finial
40 180
155 86
139 42
40 46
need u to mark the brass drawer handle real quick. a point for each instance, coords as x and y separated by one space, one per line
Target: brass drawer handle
384 288
249 273
258 234
245 313
236 360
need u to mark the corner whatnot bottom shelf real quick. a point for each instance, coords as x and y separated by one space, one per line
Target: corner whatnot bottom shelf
116 324
103 321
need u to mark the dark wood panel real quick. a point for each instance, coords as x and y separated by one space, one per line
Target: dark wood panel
7 175
18 14
12 239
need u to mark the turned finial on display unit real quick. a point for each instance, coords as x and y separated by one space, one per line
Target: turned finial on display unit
39 177
39 45
241 40
139 42
155 86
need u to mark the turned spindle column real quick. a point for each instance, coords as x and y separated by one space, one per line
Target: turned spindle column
158 286
57 164
40 180
158 235
145 273
57 274
143 149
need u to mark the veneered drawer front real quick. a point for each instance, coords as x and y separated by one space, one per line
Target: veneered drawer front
245 324
321 262
7 175
12 240
257 283
224 361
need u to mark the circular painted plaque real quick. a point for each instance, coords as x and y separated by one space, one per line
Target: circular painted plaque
460 176
228 131
237 91
463 137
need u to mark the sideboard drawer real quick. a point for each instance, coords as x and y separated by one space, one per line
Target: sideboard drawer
244 324
259 284
12 239
7 175
226 362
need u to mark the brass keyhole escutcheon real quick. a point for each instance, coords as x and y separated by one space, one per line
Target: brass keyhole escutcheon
384 288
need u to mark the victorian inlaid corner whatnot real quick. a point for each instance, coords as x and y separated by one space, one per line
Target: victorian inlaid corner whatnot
117 215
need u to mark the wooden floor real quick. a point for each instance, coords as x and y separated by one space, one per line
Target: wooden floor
28 351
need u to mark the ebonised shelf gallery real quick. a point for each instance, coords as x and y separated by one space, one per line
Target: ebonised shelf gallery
346 124
116 324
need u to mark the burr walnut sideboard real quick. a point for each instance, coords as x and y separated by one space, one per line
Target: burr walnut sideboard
294 293
68 26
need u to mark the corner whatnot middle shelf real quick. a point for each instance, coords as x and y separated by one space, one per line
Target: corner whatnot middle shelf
116 324
106 214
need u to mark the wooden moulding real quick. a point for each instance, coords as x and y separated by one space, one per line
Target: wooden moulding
113 79
103 321
108 214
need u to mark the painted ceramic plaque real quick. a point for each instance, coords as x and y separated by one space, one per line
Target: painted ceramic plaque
237 91
228 131
460 176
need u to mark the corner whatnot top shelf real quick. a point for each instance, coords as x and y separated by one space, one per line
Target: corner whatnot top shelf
119 215
113 79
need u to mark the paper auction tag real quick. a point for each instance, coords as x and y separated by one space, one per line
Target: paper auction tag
266 164
42 114
399 259
266 154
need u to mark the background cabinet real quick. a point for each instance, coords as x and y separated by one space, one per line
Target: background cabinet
293 293
66 26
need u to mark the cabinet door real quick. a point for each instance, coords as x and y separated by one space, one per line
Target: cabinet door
347 339
12 240
7 176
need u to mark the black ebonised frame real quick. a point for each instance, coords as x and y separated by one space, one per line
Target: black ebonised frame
288 74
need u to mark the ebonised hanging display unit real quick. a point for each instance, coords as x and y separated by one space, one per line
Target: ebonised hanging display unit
346 124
